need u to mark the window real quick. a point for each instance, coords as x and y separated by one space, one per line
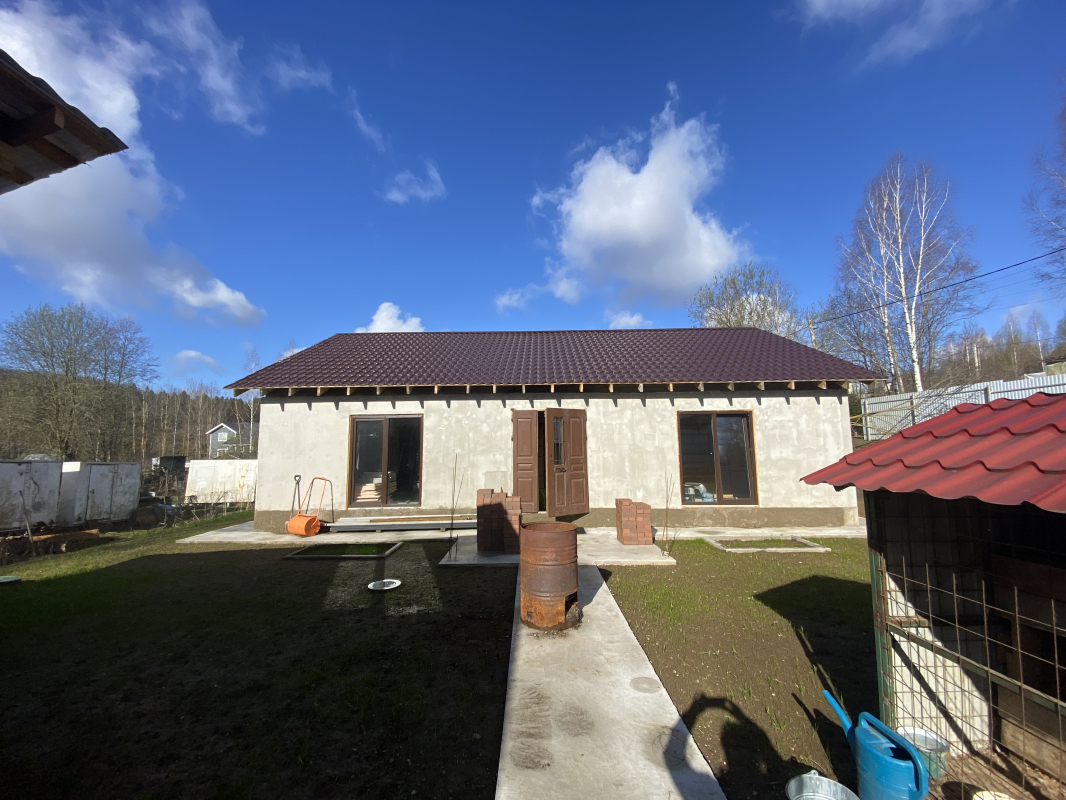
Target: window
386 461
717 458
223 436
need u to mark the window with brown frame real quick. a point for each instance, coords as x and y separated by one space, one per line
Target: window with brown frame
717 458
385 462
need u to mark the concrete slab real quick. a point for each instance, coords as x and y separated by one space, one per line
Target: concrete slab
231 536
595 547
587 718
726 534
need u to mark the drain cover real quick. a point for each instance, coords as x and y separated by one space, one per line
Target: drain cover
10 579
383 586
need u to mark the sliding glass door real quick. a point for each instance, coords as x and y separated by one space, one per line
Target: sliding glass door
386 461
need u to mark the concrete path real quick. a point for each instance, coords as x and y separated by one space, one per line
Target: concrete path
595 547
244 533
727 534
587 718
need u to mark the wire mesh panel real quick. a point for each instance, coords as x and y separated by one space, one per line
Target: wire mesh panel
969 601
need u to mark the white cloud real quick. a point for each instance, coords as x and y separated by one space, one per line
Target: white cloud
632 220
517 298
387 319
369 132
628 319
188 27
406 185
914 26
189 361
290 69
84 229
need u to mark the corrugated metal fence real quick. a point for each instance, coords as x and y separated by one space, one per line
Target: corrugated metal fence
885 415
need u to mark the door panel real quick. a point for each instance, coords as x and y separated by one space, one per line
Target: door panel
577 463
524 448
101 486
555 463
567 462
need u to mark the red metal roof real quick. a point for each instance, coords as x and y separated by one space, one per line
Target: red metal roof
511 358
1006 452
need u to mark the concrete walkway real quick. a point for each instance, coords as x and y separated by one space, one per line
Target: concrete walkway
595 547
598 546
587 718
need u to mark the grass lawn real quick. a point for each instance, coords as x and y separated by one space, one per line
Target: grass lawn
138 667
745 644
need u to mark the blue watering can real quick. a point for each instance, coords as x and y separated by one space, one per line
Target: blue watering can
889 767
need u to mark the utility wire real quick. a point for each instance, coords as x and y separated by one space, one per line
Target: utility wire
946 286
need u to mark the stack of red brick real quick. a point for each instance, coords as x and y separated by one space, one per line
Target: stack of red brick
633 521
499 517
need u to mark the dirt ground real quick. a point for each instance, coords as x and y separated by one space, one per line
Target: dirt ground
222 672
745 644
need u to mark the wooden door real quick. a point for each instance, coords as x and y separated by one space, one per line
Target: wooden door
577 485
565 462
524 448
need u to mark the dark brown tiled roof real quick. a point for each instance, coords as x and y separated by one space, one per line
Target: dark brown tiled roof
678 355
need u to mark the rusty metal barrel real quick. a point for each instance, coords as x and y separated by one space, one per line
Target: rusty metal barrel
549 576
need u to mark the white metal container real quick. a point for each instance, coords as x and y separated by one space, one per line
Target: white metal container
38 483
94 491
222 480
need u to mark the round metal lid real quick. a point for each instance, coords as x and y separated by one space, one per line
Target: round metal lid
10 579
383 586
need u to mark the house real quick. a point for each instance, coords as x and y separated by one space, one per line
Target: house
233 440
40 133
967 532
719 423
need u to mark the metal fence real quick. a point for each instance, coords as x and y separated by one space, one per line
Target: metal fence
970 622
888 414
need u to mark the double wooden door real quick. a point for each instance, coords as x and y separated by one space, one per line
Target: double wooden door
552 456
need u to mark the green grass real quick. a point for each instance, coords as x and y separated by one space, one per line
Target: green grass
139 667
745 645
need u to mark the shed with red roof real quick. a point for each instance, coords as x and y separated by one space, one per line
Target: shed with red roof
966 516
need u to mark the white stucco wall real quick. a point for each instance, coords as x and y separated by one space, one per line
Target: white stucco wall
632 443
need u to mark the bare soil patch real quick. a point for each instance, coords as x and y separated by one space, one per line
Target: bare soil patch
745 644
163 670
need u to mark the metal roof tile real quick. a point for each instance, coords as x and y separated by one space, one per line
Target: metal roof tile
679 355
1006 452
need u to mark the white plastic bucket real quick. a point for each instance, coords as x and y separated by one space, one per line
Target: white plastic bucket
932 748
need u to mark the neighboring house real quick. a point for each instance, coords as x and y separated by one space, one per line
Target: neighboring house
233 440
967 529
722 423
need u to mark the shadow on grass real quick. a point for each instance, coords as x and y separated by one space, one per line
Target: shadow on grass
234 673
832 619
753 767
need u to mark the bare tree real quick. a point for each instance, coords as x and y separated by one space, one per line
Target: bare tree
749 295
1046 206
906 269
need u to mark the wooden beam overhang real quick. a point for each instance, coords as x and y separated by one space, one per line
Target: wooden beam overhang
321 390
760 385
292 391
23 131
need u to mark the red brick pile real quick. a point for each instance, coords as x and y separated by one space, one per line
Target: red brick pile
633 521
499 517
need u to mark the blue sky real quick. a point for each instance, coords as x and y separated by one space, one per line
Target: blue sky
504 166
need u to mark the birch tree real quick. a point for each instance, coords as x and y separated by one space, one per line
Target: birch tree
906 267
1046 206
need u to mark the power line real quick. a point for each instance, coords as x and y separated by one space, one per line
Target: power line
946 286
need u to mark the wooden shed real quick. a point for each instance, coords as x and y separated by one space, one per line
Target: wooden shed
967 529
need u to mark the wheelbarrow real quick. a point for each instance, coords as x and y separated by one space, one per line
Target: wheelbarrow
303 522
